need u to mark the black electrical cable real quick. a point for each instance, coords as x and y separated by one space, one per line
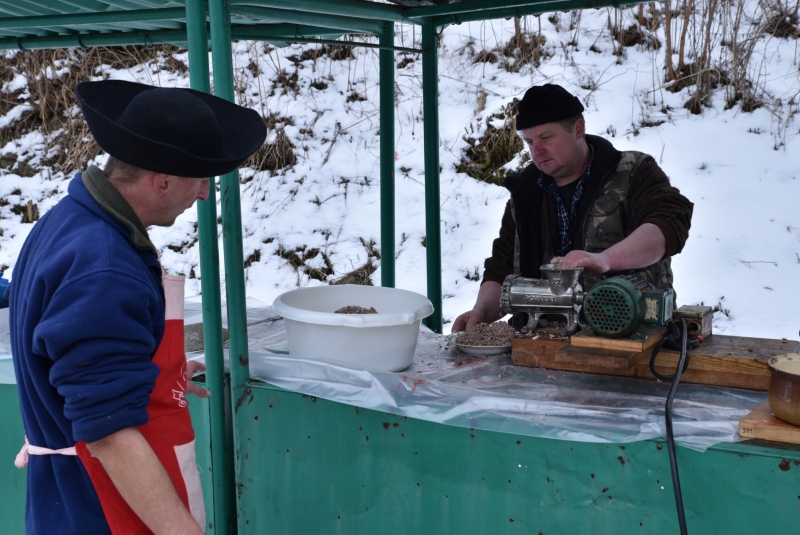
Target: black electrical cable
672 335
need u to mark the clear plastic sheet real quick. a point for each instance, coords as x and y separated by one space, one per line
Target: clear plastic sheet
444 386
492 394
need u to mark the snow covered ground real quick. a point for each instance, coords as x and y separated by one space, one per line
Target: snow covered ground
740 169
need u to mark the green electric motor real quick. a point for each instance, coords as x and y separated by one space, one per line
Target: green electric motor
615 307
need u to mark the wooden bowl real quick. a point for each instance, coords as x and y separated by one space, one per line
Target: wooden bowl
783 392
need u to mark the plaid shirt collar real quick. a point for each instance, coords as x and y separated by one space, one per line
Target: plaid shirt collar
566 218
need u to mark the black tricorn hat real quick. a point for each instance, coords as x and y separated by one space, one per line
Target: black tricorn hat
548 103
175 131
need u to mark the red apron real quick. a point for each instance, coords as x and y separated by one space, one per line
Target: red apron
169 430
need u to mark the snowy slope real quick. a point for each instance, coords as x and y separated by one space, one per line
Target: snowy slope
740 169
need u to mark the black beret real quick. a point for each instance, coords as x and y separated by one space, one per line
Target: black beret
546 103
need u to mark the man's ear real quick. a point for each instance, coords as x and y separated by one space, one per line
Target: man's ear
580 129
159 183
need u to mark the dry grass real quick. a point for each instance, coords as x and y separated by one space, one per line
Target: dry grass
49 100
278 153
493 148
275 155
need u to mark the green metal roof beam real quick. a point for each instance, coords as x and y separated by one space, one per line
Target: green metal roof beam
110 17
462 8
311 19
175 37
257 33
349 8
118 27
284 31
55 7
534 9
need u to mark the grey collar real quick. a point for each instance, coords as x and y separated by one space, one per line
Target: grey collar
114 204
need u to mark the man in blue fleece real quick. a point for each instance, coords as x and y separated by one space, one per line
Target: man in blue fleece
96 326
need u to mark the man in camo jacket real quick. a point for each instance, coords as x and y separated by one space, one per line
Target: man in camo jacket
582 203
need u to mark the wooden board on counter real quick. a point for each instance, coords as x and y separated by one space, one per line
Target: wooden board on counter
599 358
645 339
721 360
539 350
761 423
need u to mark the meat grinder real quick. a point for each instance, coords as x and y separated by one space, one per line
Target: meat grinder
614 307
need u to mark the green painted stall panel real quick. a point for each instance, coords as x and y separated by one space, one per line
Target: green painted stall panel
13 481
200 409
311 466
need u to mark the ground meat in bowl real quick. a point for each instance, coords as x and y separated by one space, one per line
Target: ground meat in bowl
353 309
498 333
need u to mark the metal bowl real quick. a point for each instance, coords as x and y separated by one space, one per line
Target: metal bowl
783 392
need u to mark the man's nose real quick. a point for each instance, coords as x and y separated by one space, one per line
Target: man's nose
204 189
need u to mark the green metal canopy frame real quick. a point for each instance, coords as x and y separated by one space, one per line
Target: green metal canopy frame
37 24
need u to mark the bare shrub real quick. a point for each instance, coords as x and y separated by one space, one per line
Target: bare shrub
362 275
525 49
780 19
300 257
486 56
275 155
683 18
487 153
288 83
338 52
29 211
636 35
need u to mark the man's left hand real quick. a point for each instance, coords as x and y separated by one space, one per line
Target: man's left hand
590 262
192 367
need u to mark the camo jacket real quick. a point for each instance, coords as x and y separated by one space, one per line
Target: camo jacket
624 191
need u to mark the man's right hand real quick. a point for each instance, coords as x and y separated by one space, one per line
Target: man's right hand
143 482
486 310
467 320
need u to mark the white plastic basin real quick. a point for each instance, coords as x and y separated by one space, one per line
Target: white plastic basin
383 341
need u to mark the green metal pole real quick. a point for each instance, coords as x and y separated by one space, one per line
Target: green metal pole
430 111
386 59
221 442
231 203
221 53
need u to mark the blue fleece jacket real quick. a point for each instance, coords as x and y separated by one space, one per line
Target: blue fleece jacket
86 316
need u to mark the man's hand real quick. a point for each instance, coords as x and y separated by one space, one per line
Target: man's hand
192 367
143 483
645 246
590 262
486 310
467 320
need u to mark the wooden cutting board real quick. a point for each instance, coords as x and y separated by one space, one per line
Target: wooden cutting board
761 423
721 360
